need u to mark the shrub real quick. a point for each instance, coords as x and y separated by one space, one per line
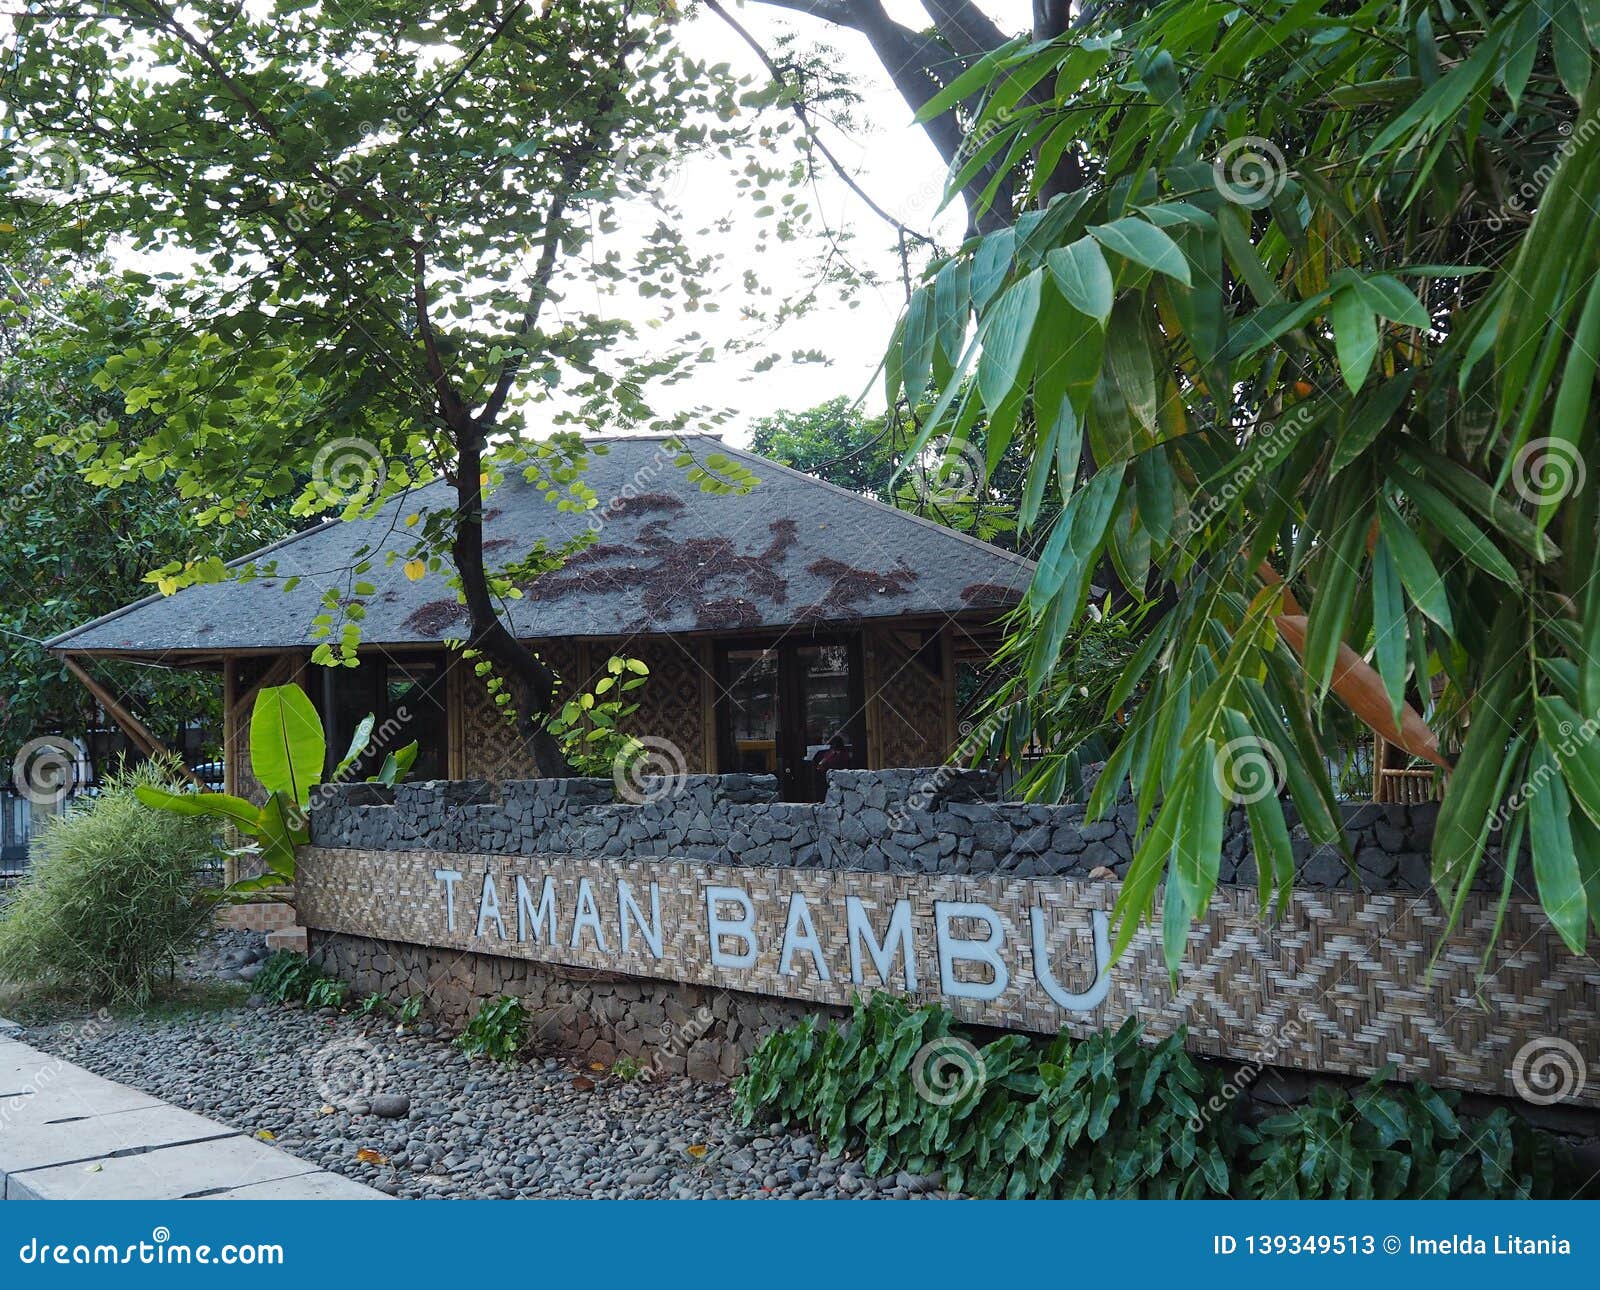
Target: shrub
325 992
496 1030
1108 1116
114 895
1404 1144
287 977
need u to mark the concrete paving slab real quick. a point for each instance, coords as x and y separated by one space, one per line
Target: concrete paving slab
30 1142
17 1059
68 1134
58 1092
321 1185
168 1173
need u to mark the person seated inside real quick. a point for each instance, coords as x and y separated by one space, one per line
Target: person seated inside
836 756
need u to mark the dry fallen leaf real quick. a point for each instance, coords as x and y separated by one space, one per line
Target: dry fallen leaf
696 1150
582 1083
597 1066
367 1156
327 1110
266 1135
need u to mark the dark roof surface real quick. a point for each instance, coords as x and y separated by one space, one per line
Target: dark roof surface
668 559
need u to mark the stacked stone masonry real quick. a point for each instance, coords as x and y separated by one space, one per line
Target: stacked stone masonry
933 821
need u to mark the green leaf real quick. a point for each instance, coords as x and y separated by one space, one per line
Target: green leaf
1573 410
1355 336
1389 626
358 745
222 805
1417 573
1344 554
1462 534
1572 742
1006 331
1392 299
1555 862
1369 417
1143 243
1081 272
287 749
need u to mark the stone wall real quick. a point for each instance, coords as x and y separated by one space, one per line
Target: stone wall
906 822
672 1028
900 821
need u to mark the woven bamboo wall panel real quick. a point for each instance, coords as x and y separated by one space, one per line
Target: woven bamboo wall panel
1340 984
907 703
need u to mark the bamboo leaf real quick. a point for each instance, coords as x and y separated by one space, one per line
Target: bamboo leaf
1143 243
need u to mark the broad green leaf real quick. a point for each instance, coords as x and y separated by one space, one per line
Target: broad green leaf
1355 336
1081 272
1572 742
287 750
1143 243
358 745
1555 863
1573 411
222 805
1417 573
1389 626
1462 534
1392 299
1006 331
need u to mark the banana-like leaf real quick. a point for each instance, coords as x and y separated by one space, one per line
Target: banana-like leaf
287 750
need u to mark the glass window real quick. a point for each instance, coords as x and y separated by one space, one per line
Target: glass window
753 710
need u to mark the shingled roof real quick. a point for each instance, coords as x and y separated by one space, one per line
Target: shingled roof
669 559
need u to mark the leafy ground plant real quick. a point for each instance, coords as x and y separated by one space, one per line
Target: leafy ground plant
1105 1116
287 977
497 1030
114 896
1109 1116
1404 1144
325 992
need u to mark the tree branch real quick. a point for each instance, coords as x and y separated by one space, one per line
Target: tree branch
798 105
968 29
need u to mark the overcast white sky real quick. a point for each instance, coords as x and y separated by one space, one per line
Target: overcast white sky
891 159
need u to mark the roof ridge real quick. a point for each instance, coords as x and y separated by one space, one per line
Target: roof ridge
988 548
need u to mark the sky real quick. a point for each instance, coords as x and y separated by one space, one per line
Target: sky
889 156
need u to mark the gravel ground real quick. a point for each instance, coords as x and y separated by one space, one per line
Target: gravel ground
408 1114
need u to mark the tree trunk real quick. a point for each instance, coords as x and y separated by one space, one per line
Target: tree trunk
532 685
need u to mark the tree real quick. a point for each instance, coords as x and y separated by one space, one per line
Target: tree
380 211
71 550
951 484
835 441
1325 317
956 52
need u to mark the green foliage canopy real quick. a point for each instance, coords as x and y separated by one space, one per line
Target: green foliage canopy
1318 328
378 220
71 550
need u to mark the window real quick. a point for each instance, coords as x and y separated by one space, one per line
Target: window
406 695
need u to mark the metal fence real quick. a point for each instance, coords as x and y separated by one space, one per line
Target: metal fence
22 818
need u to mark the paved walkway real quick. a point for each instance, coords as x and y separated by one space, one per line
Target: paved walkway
67 1134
